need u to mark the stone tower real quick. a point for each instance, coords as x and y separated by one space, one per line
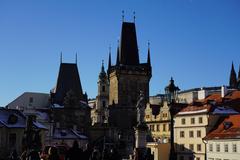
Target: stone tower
128 76
233 78
126 79
101 110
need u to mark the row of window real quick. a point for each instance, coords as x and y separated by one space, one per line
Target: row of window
192 120
191 147
156 127
225 147
191 134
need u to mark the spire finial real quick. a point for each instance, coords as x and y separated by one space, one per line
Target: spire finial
76 58
134 16
148 56
61 57
123 15
102 65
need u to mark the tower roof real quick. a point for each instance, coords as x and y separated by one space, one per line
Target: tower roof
128 45
233 78
68 79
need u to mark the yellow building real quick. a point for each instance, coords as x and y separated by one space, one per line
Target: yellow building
157 118
191 125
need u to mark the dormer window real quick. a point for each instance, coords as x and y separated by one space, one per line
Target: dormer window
12 119
227 125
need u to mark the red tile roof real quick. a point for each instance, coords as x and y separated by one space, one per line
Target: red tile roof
232 99
229 128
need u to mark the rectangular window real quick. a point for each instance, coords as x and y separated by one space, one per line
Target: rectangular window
197 158
103 88
225 147
191 147
182 134
218 147
199 147
30 99
157 127
198 133
164 127
200 120
103 104
183 120
191 134
234 147
192 120
169 127
153 127
210 147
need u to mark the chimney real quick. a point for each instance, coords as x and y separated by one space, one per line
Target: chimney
223 91
202 94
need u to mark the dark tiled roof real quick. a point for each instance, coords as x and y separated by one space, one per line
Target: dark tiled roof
229 128
68 79
128 45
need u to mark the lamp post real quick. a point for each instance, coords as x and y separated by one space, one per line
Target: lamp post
171 94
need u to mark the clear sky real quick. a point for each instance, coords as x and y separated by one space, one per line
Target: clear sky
195 41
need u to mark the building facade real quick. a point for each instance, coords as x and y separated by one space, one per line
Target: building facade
224 142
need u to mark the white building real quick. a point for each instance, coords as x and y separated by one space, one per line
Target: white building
223 143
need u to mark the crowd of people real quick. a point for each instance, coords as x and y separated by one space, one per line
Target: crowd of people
73 153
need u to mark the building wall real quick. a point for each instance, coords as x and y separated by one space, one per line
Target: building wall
5 147
159 125
188 136
125 87
230 154
159 151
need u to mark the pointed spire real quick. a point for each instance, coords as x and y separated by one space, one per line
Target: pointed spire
134 16
117 61
122 15
60 57
76 58
128 48
233 78
102 69
148 56
109 60
238 74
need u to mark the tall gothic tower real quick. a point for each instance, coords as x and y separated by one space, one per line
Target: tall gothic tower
233 78
128 76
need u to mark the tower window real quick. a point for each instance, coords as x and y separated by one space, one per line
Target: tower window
103 88
103 103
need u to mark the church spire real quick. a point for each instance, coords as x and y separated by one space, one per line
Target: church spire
60 57
117 61
102 69
238 80
109 60
148 56
233 78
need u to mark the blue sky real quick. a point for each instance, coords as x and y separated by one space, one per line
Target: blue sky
195 41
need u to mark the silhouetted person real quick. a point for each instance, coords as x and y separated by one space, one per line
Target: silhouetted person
14 155
53 154
149 155
87 152
74 153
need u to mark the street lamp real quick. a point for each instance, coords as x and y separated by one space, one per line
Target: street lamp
171 95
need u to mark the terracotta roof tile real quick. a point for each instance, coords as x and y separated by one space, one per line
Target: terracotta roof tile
229 128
